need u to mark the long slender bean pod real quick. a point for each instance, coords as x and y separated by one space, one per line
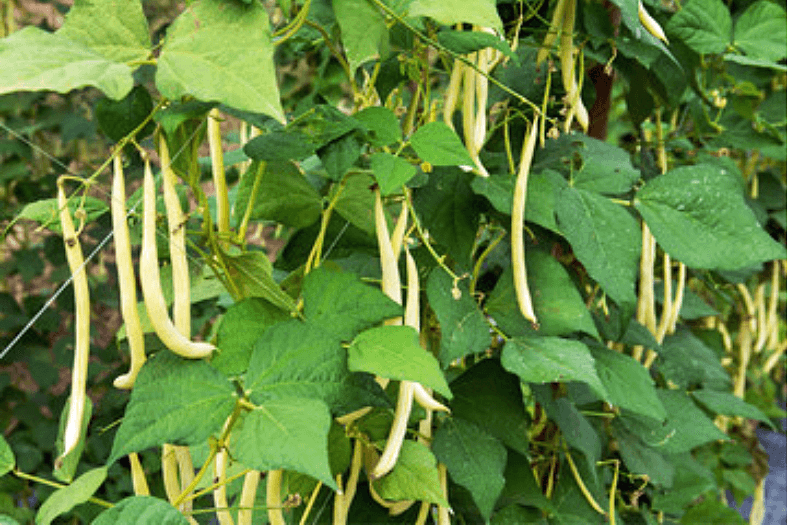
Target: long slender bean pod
248 494
181 290
651 25
220 492
151 282
388 262
126 279
555 26
452 93
79 371
138 480
219 181
273 498
518 215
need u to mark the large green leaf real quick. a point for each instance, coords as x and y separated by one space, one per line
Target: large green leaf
33 60
703 206
141 510
415 476
68 497
240 327
686 427
602 167
364 32
704 25
604 237
491 397
221 51
279 145
119 118
439 145
627 382
356 202
168 394
551 359
391 172
283 195
289 433
7 460
448 209
760 31
250 274
395 352
730 405
296 359
463 327
558 305
450 12
642 459
342 304
474 459
118 31
543 186
686 361
688 484
381 124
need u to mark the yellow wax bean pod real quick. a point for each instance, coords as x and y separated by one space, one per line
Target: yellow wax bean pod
126 279
151 282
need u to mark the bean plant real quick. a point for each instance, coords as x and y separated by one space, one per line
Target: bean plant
419 261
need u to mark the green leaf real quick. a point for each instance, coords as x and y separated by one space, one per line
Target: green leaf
450 12
551 359
688 484
391 172
119 118
141 510
283 195
296 359
356 202
712 512
7 460
240 327
730 405
543 186
439 145
250 273
66 466
558 305
703 205
704 25
168 394
464 329
604 237
627 382
575 428
474 460
342 304
221 51
45 211
66 498
279 146
394 352
381 123
642 459
466 42
602 167
686 427
365 36
521 487
34 60
339 155
686 361
448 210
490 397
760 31
287 433
117 31
415 477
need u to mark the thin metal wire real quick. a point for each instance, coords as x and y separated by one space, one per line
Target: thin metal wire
92 254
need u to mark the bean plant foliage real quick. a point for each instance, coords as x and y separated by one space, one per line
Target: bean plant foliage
532 268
